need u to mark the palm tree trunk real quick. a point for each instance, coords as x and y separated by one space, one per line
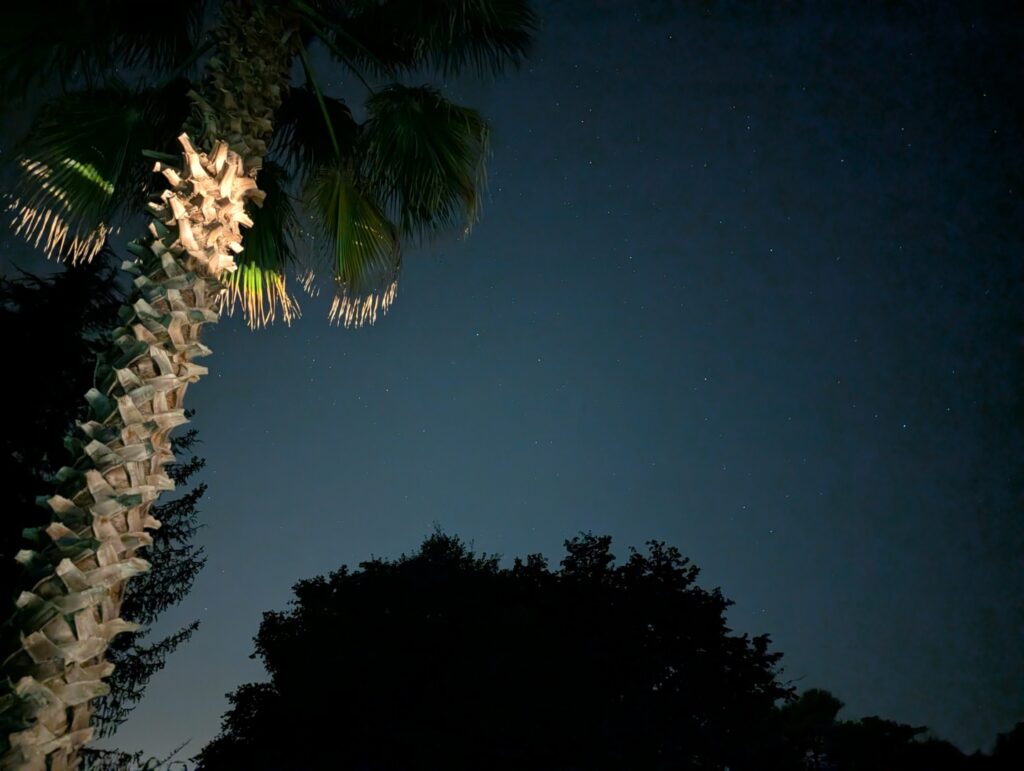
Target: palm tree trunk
75 579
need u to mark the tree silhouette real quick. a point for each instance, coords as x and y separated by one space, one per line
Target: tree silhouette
1009 751
443 659
811 736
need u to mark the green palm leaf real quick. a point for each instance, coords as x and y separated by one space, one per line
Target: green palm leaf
258 285
90 39
82 163
301 136
360 243
425 157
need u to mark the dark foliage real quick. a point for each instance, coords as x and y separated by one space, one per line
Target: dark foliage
116 760
449 35
88 38
53 329
442 659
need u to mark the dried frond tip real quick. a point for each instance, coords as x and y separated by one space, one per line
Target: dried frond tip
307 280
354 311
261 294
46 221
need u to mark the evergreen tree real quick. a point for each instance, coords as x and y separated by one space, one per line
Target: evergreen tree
177 561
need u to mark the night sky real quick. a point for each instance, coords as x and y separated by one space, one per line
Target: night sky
747 282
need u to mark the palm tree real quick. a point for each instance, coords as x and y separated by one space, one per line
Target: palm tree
287 163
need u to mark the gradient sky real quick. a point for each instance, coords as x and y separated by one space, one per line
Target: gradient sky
746 281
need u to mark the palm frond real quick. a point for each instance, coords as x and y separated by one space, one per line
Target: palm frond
483 35
82 162
302 140
258 285
360 243
450 35
91 39
333 23
424 155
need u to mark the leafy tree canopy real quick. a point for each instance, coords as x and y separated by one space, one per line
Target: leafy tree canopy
444 659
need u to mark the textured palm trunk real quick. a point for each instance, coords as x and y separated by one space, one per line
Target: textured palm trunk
76 577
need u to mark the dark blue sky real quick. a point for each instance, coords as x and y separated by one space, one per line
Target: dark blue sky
747 282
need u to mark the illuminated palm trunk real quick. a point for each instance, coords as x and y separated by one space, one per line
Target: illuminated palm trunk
77 574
